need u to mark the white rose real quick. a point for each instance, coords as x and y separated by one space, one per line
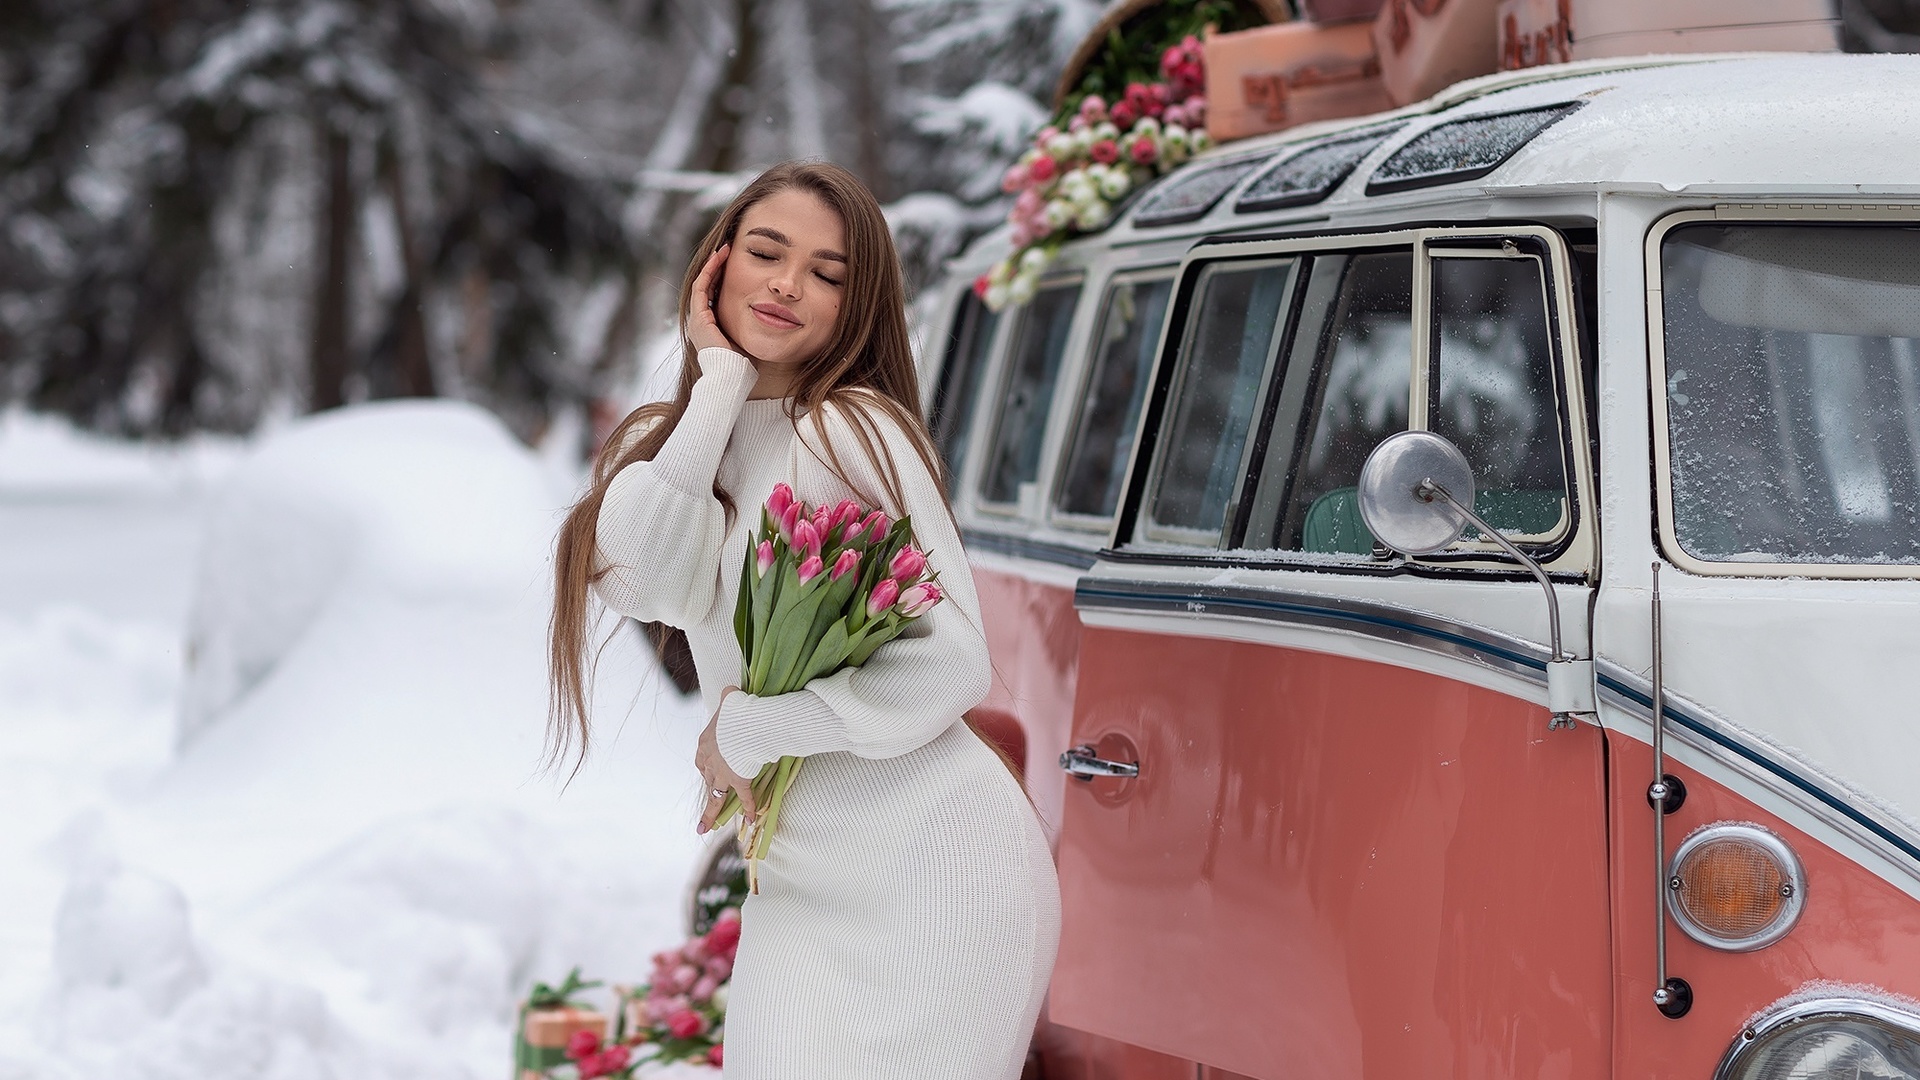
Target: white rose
1060 147
1105 131
720 998
1200 140
1093 215
1115 184
1001 273
997 296
1023 288
1058 213
1033 260
1147 126
1175 135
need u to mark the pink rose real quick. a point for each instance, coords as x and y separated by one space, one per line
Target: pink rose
1077 124
1042 169
1171 60
1123 114
703 990
980 286
580 1044
686 1023
1143 150
908 564
810 569
714 1057
847 563
684 976
1094 108
1106 151
919 599
882 597
725 933
719 967
1014 179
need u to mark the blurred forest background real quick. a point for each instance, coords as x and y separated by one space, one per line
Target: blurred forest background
217 213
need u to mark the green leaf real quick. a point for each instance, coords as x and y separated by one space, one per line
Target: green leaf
828 655
743 603
884 629
787 635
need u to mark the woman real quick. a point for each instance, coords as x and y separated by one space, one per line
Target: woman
908 911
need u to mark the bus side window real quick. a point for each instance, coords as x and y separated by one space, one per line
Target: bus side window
1226 358
953 401
1357 328
1491 391
1040 339
1096 460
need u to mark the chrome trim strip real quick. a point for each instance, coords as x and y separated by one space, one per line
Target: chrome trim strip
1818 795
1019 547
1755 1036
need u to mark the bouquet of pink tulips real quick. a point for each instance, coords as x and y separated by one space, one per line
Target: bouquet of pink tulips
821 589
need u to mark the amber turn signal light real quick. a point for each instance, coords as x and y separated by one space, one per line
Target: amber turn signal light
1735 887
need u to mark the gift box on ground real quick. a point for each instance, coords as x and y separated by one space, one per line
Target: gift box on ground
540 1037
1275 77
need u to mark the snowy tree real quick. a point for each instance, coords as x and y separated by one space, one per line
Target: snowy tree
183 174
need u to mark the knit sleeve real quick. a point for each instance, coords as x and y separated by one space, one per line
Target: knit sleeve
914 687
661 530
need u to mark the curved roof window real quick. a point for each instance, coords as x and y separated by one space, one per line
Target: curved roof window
1463 149
1311 174
1185 198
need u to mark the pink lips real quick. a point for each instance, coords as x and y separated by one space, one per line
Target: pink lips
776 316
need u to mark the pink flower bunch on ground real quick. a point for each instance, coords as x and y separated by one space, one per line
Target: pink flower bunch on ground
1089 159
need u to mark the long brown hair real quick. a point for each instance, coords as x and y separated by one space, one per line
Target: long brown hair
867 365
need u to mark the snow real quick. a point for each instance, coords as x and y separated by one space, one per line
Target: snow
354 865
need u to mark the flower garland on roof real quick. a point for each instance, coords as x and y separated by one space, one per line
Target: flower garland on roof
1089 159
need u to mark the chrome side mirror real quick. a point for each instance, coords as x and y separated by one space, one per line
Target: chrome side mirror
1416 496
1401 488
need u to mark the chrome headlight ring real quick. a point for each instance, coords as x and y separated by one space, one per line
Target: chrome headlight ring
1828 1038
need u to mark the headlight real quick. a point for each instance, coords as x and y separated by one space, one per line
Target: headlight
1828 1039
1735 887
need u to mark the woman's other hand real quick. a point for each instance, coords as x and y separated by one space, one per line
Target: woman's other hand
703 328
717 776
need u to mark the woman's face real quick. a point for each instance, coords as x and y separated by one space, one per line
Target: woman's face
785 276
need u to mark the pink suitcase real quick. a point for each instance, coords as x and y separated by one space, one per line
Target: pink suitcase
1534 32
1274 77
1428 45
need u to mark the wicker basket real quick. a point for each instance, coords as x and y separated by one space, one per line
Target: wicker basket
1116 15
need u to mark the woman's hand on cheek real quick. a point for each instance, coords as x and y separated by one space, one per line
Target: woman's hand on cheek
717 775
703 327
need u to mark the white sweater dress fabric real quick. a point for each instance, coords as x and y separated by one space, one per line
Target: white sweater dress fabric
908 912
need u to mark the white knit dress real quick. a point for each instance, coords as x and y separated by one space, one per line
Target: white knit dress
908 912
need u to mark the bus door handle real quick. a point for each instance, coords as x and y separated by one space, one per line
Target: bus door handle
1083 763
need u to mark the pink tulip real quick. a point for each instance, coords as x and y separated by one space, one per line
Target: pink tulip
781 498
908 564
847 512
882 598
812 568
806 538
788 520
917 600
847 563
875 526
763 557
822 520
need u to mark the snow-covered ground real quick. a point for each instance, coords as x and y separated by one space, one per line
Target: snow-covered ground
342 857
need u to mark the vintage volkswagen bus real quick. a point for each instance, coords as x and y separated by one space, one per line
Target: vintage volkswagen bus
1325 808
